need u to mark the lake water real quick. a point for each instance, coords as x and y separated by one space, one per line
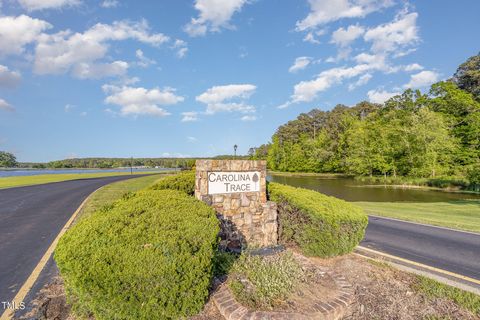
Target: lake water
33 172
353 190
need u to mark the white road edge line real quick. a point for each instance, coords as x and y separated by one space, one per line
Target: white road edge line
27 286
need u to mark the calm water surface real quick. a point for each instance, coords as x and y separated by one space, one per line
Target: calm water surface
33 172
353 190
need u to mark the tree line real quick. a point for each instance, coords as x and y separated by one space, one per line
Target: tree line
412 134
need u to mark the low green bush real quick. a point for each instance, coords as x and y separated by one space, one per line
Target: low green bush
320 225
184 181
262 282
148 256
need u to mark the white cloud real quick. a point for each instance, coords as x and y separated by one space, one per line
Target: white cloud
213 16
189 116
69 107
86 70
192 139
362 80
141 101
422 79
412 67
4 105
32 5
8 78
300 64
343 37
17 32
248 118
219 98
181 47
142 60
399 33
311 36
306 91
325 11
110 4
380 96
63 51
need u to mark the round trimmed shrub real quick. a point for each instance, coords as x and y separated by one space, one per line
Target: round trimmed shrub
184 181
149 256
320 225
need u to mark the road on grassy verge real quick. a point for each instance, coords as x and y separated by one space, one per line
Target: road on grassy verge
446 249
30 219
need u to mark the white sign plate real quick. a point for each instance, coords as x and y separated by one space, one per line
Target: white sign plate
233 182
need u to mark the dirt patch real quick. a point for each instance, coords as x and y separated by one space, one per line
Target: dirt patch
50 303
382 292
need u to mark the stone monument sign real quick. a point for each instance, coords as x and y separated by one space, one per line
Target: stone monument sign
236 189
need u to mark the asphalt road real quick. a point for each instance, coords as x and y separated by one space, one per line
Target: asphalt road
450 250
30 219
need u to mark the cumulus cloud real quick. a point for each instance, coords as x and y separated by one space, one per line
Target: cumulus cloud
141 101
86 70
248 118
213 16
8 78
17 32
422 79
189 116
343 37
65 51
33 5
109 4
300 64
181 47
412 67
4 105
380 96
142 60
362 80
325 11
399 33
228 98
306 91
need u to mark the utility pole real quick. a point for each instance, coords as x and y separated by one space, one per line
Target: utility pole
235 151
131 165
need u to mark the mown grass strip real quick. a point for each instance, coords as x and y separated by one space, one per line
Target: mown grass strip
20 181
436 290
114 191
460 214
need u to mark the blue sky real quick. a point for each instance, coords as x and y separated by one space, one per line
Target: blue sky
82 78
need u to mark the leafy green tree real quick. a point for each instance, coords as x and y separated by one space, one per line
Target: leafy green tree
462 112
467 76
7 159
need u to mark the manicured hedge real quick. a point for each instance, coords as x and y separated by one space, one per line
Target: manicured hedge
149 256
184 181
320 225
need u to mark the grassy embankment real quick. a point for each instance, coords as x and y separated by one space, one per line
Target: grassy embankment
20 181
115 191
460 214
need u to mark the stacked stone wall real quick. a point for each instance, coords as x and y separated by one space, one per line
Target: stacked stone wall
247 218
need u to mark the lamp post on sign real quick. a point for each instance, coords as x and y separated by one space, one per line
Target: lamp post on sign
235 151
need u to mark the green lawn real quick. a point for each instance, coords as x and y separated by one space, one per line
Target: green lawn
461 214
115 191
19 181
434 289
